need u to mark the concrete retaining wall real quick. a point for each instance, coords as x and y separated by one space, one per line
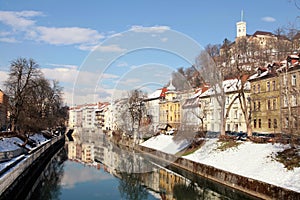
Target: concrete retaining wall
7 179
5 156
251 186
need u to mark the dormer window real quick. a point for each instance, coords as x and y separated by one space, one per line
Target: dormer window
259 72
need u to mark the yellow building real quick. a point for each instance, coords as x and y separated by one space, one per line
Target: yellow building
290 98
169 108
265 100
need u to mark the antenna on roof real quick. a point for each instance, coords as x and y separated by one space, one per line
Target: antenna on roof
242 15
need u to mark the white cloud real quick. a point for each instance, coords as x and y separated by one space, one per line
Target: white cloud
83 175
268 19
3 77
110 48
9 40
22 23
63 65
4 33
18 20
130 81
65 75
68 35
109 76
151 29
122 64
164 39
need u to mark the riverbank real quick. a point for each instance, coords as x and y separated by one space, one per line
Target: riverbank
249 167
14 172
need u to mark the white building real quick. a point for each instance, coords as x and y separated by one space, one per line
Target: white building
152 108
212 108
87 116
192 115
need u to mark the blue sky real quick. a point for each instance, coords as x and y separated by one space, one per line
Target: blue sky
62 37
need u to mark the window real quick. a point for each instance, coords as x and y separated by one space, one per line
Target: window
228 127
294 77
274 104
254 123
259 123
258 106
269 123
235 114
294 100
258 88
274 85
284 81
285 102
268 86
295 122
254 88
254 106
269 105
275 123
286 122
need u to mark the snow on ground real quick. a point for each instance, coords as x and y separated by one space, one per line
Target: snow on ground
10 144
39 138
3 165
165 143
250 160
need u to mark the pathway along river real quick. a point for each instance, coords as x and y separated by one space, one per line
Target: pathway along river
90 167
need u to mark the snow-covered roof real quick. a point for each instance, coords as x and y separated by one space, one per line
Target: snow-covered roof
155 94
230 85
294 56
257 75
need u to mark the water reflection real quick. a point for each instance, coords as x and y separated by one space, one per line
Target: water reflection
157 182
47 185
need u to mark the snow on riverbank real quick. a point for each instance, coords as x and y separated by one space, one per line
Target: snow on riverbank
166 143
250 160
10 144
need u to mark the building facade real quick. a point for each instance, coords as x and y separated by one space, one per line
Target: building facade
169 108
265 100
290 97
3 110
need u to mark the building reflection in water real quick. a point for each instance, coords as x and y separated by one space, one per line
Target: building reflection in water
161 182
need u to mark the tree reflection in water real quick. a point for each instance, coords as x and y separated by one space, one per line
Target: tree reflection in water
190 191
130 187
48 187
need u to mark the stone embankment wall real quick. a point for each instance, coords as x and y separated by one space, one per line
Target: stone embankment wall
7 155
251 186
9 178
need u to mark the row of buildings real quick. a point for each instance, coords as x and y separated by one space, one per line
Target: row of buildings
272 94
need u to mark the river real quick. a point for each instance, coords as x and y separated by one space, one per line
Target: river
91 167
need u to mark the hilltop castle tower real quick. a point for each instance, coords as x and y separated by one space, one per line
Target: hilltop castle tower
241 27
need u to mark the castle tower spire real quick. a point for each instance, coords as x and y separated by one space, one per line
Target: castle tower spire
241 27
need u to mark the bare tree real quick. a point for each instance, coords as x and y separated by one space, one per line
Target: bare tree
34 103
20 80
132 112
213 74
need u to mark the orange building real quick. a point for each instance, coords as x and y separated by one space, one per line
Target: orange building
3 109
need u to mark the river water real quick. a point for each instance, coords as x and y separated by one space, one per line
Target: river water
91 167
